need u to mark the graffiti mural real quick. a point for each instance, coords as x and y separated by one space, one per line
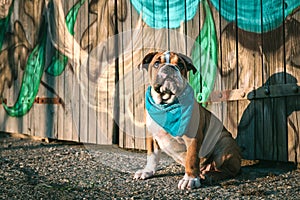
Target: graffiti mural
59 61
208 52
104 25
236 47
5 71
18 44
31 15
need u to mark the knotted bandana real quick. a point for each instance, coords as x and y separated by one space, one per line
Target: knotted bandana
174 118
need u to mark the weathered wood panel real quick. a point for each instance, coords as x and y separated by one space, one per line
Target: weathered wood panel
269 127
248 95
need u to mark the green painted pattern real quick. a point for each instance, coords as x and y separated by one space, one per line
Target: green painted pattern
4 24
59 60
205 58
35 68
31 79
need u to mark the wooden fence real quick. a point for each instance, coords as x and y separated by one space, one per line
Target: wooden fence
95 94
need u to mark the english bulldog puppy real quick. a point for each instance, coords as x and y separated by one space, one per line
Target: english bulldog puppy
181 127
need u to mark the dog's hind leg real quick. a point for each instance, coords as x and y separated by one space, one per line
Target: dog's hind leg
225 162
229 169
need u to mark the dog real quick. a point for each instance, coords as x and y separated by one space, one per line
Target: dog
181 127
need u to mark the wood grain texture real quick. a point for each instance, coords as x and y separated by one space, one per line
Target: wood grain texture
256 91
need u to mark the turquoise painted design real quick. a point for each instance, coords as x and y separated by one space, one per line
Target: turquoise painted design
257 16
252 15
166 14
31 79
173 118
59 61
205 58
4 24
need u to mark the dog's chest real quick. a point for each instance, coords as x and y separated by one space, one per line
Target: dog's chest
158 132
173 146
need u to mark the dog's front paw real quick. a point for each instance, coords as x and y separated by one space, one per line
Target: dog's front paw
143 174
189 183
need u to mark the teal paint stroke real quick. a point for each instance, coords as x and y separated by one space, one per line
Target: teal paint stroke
252 15
205 58
31 79
4 24
166 14
59 60
257 16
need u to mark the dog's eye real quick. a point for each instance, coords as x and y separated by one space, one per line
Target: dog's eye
156 64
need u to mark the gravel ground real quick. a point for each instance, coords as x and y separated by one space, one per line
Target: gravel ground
33 169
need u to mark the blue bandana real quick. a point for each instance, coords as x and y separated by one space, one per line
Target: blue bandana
173 118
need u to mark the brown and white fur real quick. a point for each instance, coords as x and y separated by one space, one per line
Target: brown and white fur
207 150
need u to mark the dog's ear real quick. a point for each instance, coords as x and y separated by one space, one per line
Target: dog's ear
188 63
146 60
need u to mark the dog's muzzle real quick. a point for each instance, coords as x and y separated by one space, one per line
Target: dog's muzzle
167 76
168 82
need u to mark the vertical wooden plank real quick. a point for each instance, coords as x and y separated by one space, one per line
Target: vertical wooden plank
102 45
250 111
125 60
140 131
137 86
293 129
86 34
121 28
83 83
112 42
100 85
38 121
49 88
91 117
49 111
130 134
69 112
72 90
33 40
131 56
62 110
67 126
275 123
12 124
109 75
74 111
246 75
229 73
228 69
102 105
217 107
136 43
293 76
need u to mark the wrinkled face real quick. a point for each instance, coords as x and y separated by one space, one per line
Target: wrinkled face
167 72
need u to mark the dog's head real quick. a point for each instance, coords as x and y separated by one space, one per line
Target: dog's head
168 74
